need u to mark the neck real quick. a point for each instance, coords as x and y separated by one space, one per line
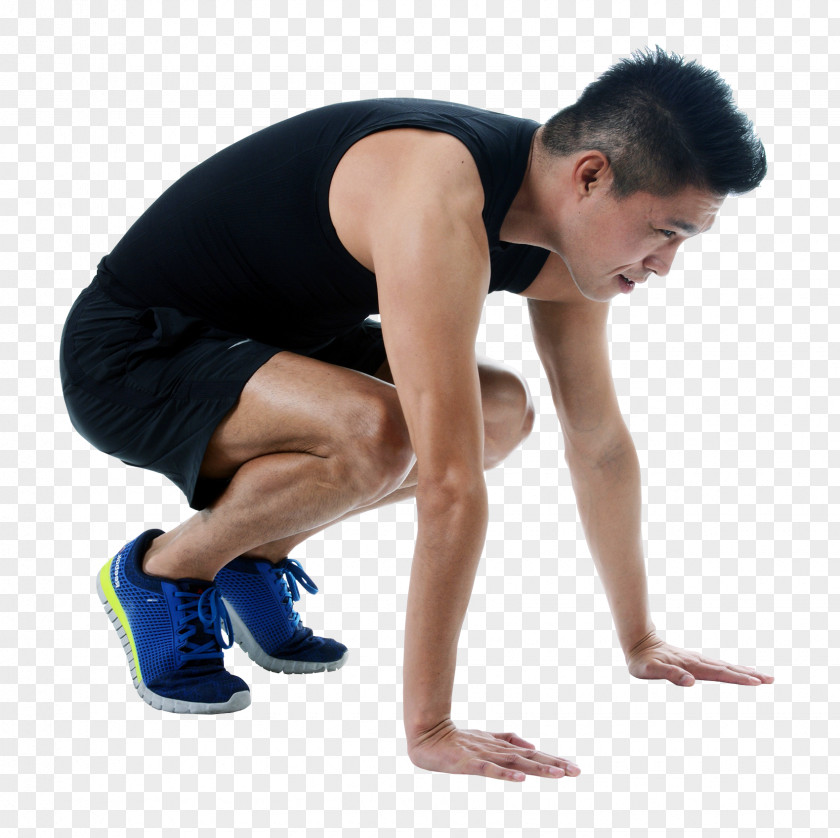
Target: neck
525 221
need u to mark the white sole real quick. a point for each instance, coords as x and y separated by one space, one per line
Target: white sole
255 652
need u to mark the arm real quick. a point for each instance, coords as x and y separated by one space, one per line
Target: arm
571 340
432 268
431 260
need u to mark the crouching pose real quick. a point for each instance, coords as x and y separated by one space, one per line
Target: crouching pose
226 342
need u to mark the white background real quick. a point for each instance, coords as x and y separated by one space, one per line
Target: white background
725 375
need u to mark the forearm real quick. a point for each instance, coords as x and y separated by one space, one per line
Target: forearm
609 500
450 537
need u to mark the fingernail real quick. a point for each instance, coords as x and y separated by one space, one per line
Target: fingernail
755 680
556 772
519 777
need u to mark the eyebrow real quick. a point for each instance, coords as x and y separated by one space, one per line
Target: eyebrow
687 228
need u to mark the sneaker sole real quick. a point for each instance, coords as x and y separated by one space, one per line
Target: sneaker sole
238 701
255 652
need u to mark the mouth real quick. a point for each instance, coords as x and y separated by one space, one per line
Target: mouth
625 285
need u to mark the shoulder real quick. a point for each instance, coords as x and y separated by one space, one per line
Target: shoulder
410 172
399 174
434 161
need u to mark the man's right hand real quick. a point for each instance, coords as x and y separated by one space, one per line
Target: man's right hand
501 756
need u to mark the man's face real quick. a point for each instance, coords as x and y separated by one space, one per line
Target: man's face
612 241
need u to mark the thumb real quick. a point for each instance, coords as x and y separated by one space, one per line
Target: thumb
653 669
676 675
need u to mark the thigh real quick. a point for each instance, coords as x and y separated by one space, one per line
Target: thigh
295 403
506 405
503 389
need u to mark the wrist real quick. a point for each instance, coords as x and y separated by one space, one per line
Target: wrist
418 731
640 641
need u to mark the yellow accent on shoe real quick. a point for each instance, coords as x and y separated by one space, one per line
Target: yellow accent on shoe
114 602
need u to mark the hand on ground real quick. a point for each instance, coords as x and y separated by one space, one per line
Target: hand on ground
501 756
652 657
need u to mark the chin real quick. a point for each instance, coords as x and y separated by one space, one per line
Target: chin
582 287
597 294
592 290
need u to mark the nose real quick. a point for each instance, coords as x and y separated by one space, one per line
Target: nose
660 262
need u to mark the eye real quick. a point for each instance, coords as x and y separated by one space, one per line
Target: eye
669 234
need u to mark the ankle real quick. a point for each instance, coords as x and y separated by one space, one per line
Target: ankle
263 556
157 562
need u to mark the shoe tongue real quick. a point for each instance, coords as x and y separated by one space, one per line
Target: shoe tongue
193 586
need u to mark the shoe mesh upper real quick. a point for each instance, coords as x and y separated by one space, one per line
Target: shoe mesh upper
260 594
258 603
151 607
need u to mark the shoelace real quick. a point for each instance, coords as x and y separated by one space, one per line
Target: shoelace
285 573
209 609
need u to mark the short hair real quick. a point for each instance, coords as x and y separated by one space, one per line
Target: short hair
664 125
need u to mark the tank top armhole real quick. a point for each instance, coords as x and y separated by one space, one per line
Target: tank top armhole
325 176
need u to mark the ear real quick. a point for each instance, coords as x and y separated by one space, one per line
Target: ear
592 171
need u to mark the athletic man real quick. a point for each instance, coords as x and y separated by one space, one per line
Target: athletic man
224 343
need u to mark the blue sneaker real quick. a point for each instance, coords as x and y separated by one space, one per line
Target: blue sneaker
171 635
259 597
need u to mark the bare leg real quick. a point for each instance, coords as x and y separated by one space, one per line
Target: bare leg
270 496
306 442
276 550
355 457
502 435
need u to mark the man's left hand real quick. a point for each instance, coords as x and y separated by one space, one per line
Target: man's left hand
652 657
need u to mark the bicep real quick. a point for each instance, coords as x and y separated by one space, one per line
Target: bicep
432 271
571 340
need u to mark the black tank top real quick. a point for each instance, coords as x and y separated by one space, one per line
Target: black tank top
245 241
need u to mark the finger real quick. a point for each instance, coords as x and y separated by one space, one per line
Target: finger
725 674
746 670
528 765
654 668
513 739
565 765
486 768
675 674
539 756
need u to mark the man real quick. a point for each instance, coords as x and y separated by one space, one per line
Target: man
224 343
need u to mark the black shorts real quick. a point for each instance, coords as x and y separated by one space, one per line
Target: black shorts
149 386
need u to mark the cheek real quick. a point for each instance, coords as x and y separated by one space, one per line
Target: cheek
606 245
628 249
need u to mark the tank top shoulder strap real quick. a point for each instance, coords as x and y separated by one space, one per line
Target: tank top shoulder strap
500 144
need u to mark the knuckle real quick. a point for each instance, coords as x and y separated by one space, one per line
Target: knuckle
483 767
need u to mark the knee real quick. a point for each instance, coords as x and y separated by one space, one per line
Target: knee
508 414
380 454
